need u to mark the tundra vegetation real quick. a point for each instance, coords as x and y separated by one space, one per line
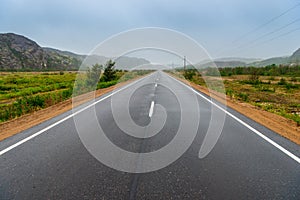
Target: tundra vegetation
25 92
274 88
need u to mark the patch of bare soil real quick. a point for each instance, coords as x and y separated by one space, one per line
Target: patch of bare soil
24 122
284 127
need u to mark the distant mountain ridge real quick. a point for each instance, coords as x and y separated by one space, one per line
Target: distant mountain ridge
240 62
283 60
244 60
271 61
221 64
20 53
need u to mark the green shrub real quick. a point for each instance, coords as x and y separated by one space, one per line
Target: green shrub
243 96
229 92
292 86
189 73
282 81
106 84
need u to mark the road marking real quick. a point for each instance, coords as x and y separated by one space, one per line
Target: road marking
155 84
151 109
282 149
66 118
291 155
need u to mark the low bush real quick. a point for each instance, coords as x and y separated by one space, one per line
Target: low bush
243 96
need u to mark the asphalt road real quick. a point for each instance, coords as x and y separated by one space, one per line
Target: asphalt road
54 163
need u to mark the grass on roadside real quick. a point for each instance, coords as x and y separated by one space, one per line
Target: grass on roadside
279 94
25 92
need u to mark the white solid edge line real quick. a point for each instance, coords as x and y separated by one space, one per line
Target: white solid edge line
151 109
68 117
291 155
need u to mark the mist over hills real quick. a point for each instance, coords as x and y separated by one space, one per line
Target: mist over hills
123 62
20 53
244 60
229 63
240 62
271 61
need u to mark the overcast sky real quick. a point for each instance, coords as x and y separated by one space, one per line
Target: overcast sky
225 28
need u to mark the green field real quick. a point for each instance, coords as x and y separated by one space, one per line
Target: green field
26 92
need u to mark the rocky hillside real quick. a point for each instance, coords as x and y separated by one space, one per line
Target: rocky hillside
20 53
17 52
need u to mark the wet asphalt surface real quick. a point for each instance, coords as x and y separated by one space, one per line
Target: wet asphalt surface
56 164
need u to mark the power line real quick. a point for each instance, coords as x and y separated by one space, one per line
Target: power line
261 26
267 34
281 35
274 38
268 22
276 30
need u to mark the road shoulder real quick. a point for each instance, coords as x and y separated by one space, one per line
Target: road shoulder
282 126
17 125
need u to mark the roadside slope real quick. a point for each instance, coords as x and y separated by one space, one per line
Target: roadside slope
24 122
284 127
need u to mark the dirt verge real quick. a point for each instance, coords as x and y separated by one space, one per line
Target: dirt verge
284 127
29 120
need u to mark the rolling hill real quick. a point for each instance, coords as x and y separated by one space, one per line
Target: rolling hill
295 58
284 60
270 61
222 64
240 62
20 53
